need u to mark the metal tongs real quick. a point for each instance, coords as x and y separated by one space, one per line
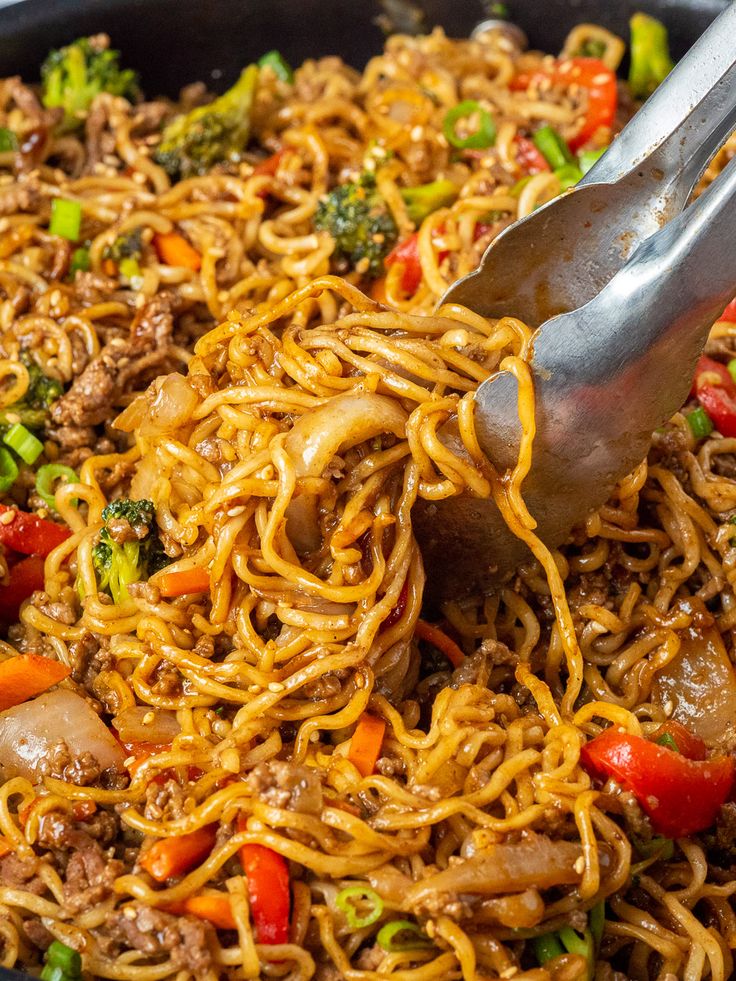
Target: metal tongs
623 283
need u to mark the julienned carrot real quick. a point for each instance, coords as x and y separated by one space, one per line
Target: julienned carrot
175 856
365 746
27 675
5 847
213 907
439 639
174 250
185 581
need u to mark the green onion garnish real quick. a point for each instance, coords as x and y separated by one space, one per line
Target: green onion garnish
699 422
668 742
401 935
483 136
568 176
25 444
278 65
597 921
80 260
582 946
361 905
8 470
66 218
591 48
47 476
547 946
552 147
587 158
8 140
662 848
62 963
650 55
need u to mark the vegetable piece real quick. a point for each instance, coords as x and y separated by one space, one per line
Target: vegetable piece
680 796
401 935
142 725
269 166
174 250
80 261
8 470
597 922
26 577
359 220
659 846
183 582
650 55
729 313
66 218
62 963
732 368
593 41
194 142
25 444
27 675
529 158
120 564
47 476
278 65
407 253
8 140
484 134
423 200
213 907
715 389
552 147
269 892
366 742
398 611
433 635
175 856
568 176
5 847
675 736
28 534
32 410
699 422
71 77
547 947
361 905
587 158
29 731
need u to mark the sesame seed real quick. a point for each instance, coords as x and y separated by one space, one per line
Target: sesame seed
579 865
275 686
8 516
148 718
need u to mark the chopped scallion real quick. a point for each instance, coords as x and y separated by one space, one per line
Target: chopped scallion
658 846
552 147
650 55
8 140
547 947
597 921
484 134
25 444
8 470
47 477
699 422
66 218
80 260
62 963
361 905
131 270
423 200
278 65
668 742
401 935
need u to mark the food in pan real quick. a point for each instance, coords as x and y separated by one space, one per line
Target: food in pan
233 742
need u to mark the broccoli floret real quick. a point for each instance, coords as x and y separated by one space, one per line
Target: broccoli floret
32 411
72 76
191 144
125 247
359 220
133 559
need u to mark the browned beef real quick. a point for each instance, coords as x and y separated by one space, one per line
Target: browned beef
90 874
21 873
37 933
88 656
19 196
57 829
80 770
287 785
153 932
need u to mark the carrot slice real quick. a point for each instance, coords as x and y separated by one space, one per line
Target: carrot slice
183 582
215 909
365 746
5 847
27 675
439 639
175 856
174 250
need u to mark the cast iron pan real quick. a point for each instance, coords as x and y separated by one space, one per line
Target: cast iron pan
173 42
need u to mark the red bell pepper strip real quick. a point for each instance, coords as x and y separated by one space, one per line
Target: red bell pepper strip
398 611
27 675
26 577
679 795
590 74
269 892
687 743
715 389
528 157
729 313
270 165
28 534
407 253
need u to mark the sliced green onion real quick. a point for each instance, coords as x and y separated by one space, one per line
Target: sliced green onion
8 470
568 176
484 135
587 158
582 946
401 935
130 268
8 140
349 900
650 55
47 476
552 147
66 218
423 200
597 922
278 65
25 444
547 946
658 846
699 422
80 260
519 186
668 742
732 368
62 963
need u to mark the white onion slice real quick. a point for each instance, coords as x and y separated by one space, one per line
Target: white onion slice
142 724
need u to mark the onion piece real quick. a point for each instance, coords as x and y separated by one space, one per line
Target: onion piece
142 724
698 687
28 732
323 433
166 405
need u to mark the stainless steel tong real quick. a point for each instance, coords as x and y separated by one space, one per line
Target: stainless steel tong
623 282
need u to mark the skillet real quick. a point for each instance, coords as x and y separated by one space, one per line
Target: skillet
173 42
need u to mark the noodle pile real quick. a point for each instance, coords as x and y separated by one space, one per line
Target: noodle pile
286 468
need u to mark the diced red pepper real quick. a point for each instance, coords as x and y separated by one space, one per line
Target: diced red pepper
269 892
729 313
688 744
26 577
28 534
407 253
715 389
680 796
269 167
398 611
528 157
